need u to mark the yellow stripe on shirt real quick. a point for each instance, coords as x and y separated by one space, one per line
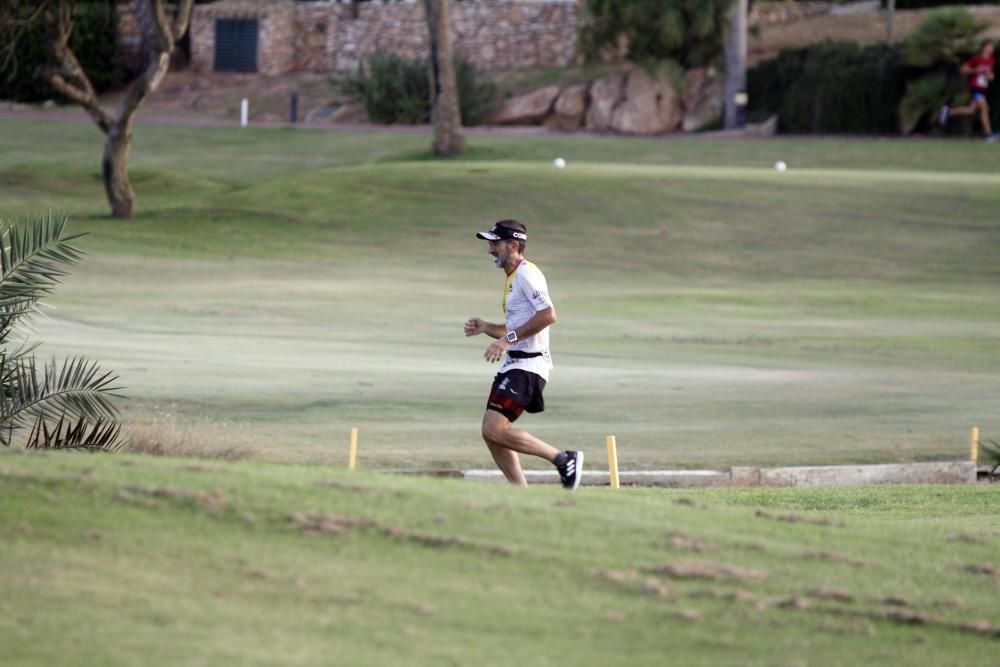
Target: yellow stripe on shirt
508 285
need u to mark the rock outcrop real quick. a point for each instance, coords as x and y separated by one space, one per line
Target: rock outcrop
529 109
651 105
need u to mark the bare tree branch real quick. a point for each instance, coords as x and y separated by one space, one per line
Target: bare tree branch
163 30
70 79
182 19
13 26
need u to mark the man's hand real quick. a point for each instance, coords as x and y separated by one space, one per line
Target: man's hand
474 326
496 350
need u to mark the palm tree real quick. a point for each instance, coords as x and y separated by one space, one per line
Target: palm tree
64 405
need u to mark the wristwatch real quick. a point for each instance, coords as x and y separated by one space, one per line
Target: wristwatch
511 337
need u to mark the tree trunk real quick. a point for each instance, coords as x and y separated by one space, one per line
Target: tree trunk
890 18
448 138
114 170
736 66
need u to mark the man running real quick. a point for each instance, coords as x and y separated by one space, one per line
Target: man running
523 344
979 69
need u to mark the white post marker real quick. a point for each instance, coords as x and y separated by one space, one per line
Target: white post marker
244 112
974 444
613 461
352 460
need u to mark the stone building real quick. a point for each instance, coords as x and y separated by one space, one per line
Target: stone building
278 36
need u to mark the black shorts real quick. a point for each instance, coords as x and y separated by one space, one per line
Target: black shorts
516 391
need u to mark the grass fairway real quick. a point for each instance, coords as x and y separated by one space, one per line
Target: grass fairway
278 287
124 560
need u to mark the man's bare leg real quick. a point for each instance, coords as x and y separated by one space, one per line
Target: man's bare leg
971 109
509 463
501 436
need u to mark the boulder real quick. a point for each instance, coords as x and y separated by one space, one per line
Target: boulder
652 105
605 95
703 97
569 109
526 109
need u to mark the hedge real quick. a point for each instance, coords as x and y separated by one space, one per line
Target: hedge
831 87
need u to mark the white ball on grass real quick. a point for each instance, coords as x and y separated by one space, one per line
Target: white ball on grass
780 166
559 163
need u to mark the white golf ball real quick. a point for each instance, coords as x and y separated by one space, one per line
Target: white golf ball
559 163
780 166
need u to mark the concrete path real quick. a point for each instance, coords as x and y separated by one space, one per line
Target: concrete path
937 472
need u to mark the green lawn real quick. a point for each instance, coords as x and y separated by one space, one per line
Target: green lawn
278 287
124 560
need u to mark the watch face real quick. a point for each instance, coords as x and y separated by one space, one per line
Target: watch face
511 337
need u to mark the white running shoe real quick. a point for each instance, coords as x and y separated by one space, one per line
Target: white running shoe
943 114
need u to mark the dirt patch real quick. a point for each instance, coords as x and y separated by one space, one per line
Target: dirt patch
709 570
195 467
824 593
686 614
688 502
834 557
211 501
797 518
737 595
444 542
617 576
655 586
340 524
969 538
678 541
327 524
342 486
986 570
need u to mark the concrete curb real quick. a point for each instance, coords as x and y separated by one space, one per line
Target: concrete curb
937 472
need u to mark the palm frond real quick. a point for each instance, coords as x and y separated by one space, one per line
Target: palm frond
67 405
33 261
78 388
67 434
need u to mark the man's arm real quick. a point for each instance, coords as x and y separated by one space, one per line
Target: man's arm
475 326
538 321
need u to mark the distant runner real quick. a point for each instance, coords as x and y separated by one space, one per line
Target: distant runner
979 69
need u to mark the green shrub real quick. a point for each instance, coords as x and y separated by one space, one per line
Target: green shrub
831 87
94 42
475 98
396 90
691 32
946 36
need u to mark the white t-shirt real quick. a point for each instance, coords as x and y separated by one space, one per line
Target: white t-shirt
525 293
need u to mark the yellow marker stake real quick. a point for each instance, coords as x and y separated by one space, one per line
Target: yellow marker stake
974 444
352 462
613 461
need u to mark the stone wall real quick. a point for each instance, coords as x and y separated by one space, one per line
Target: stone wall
335 36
